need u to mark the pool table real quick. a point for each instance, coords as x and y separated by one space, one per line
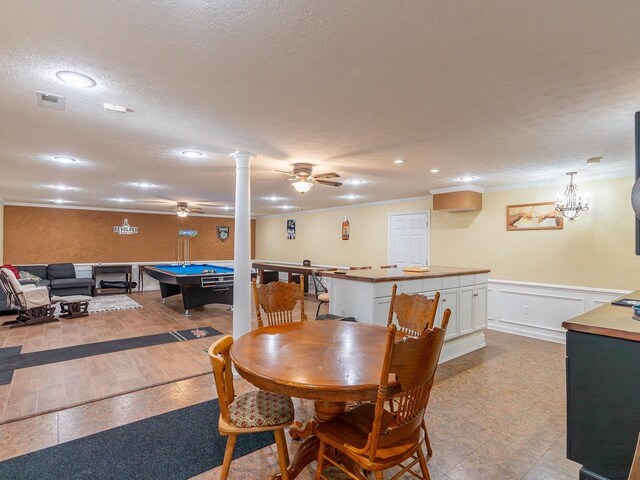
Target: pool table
199 284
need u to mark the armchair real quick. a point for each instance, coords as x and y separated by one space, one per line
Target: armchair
33 303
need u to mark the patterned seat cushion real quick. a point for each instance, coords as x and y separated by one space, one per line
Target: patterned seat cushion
260 409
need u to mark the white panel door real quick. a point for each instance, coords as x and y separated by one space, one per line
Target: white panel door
465 310
480 306
409 239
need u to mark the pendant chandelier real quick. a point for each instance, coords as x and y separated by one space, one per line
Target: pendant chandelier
570 204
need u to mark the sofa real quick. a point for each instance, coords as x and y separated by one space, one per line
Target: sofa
60 278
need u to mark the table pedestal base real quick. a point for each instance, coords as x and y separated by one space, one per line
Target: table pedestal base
308 450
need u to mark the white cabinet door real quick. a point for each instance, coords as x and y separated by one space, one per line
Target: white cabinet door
409 239
449 299
479 306
465 311
381 312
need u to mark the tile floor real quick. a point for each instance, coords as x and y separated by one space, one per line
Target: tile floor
498 413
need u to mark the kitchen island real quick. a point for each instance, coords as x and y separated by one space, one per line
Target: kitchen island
603 392
366 296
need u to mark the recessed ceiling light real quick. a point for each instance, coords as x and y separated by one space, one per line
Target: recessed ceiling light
61 187
59 200
76 79
286 207
594 161
351 196
399 161
120 200
226 207
356 181
65 159
192 153
143 184
467 179
434 170
273 198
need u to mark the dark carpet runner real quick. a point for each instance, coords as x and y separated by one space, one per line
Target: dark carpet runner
173 446
11 359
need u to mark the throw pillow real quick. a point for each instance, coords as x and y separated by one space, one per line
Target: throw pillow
8 266
28 276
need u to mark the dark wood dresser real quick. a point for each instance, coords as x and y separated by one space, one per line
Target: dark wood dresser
603 391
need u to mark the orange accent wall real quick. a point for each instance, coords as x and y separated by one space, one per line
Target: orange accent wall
55 235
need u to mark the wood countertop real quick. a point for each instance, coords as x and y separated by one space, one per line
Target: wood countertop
397 275
608 320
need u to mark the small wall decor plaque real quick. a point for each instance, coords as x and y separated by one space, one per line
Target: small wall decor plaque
533 216
188 233
223 232
125 228
291 229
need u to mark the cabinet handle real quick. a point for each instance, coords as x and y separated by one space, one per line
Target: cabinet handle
475 294
444 300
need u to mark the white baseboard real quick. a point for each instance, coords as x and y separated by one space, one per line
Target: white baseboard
537 310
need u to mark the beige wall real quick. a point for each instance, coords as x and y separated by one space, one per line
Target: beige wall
596 251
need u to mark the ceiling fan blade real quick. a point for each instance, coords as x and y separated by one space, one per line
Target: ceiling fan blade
327 182
286 173
196 210
327 175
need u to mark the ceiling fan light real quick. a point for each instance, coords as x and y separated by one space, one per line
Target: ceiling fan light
182 213
302 186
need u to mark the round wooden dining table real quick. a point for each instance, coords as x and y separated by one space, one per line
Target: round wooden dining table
330 362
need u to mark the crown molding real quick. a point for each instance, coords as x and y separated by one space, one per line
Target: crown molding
101 209
562 180
458 188
347 207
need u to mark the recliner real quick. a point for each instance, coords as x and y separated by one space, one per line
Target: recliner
33 303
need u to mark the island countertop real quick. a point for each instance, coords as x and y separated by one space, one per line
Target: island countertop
608 320
397 275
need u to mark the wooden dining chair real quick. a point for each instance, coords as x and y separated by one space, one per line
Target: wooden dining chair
359 268
414 313
255 411
374 438
278 300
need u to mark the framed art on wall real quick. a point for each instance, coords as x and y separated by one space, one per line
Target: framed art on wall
291 229
533 216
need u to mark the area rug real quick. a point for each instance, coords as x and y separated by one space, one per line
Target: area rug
173 446
12 359
109 303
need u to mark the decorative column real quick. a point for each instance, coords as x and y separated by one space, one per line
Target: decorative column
242 246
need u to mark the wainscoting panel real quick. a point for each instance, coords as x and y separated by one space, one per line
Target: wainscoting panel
538 310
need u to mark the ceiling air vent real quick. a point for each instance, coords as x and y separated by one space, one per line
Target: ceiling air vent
49 100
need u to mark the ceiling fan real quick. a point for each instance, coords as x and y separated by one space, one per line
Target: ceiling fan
303 178
183 209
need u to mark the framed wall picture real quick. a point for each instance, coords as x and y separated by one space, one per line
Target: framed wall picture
533 216
291 229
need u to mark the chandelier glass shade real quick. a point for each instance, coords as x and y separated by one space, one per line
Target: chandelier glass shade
182 212
302 186
570 204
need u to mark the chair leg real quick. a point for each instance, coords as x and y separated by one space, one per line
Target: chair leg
318 310
426 439
423 465
283 453
320 463
379 475
228 456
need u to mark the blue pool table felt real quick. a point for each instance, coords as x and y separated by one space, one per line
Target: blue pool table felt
193 269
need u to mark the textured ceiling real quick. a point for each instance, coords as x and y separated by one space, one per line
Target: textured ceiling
508 91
